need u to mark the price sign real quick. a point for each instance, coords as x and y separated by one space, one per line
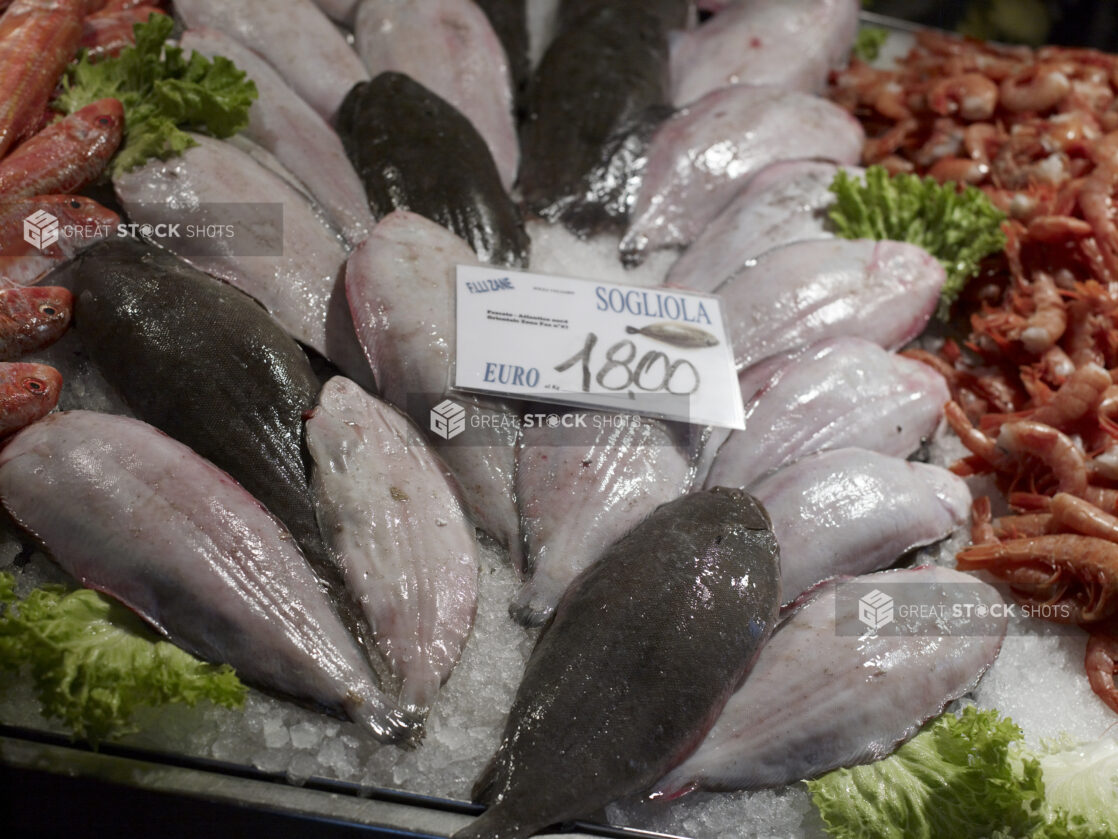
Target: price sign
656 351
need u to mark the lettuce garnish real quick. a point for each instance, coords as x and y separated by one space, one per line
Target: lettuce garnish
960 229
93 662
869 41
163 94
971 777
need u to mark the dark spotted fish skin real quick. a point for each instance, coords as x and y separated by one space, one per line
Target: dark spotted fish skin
28 392
609 66
671 14
32 318
645 648
204 363
415 151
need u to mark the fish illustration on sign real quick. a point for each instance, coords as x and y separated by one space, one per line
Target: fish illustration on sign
676 334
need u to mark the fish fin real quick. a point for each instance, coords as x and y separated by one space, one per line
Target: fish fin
529 608
484 790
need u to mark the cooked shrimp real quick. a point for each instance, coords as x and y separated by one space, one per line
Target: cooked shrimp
1038 87
970 95
1101 662
1049 319
1081 516
1076 398
1049 445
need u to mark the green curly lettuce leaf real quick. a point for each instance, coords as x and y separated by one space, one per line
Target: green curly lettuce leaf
869 41
93 662
970 777
163 93
960 229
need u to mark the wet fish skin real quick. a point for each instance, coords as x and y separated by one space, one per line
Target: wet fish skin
32 318
393 521
393 128
449 47
671 14
595 79
300 43
628 676
202 362
400 287
38 38
796 719
852 511
509 19
783 203
676 334
21 263
297 272
694 171
788 43
67 154
836 393
581 489
105 34
131 512
28 392
293 131
804 292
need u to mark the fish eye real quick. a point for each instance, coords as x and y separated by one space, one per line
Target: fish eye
76 204
34 385
48 309
103 120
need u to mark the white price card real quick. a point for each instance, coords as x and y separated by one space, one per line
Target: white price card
655 351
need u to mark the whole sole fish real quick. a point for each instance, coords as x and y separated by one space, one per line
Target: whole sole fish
449 47
132 513
836 393
202 362
818 699
293 131
67 154
296 272
81 223
628 676
702 157
32 318
792 44
580 489
395 526
415 151
38 38
400 286
300 43
804 292
28 392
852 511
594 80
785 202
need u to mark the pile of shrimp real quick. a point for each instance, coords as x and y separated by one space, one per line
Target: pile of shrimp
1034 370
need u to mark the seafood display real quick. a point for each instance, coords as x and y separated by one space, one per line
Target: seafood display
617 650
791 720
693 170
801 293
579 493
252 438
129 299
300 139
129 511
397 531
450 48
392 127
1033 129
872 508
837 393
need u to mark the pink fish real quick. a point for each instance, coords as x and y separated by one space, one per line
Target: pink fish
32 318
28 392
81 222
66 155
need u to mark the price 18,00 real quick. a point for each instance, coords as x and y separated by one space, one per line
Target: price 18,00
654 372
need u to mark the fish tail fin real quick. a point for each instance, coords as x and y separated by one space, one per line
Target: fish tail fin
531 607
631 330
387 723
484 790
417 694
